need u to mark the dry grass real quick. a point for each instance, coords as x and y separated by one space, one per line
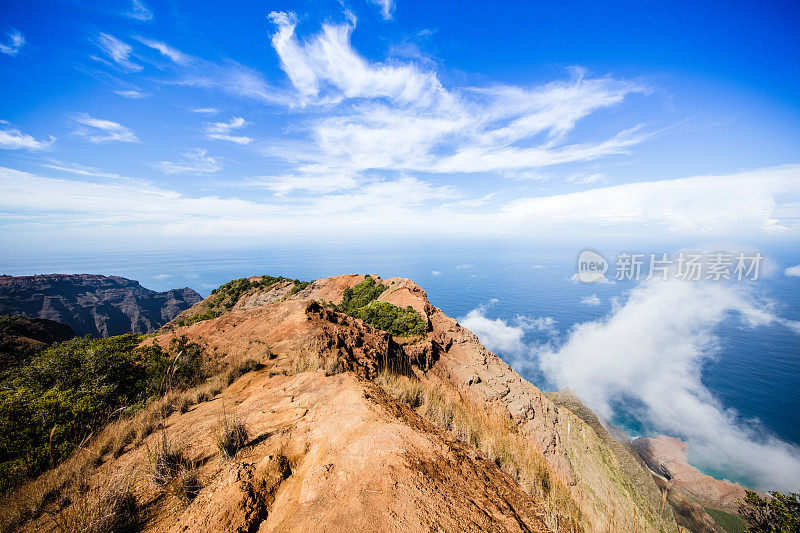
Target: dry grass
491 431
172 471
305 363
108 508
230 434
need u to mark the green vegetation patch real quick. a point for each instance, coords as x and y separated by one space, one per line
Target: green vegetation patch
72 388
729 522
361 302
776 513
227 295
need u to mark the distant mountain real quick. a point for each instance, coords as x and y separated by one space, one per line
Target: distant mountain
21 337
93 304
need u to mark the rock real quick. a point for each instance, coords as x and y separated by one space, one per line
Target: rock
668 457
92 304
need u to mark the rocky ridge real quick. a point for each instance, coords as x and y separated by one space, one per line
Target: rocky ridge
92 304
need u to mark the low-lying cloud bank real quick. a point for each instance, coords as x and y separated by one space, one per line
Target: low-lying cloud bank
649 352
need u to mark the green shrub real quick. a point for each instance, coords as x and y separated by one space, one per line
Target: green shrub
392 319
361 295
71 388
229 294
361 301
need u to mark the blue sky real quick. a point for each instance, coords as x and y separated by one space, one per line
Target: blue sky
187 123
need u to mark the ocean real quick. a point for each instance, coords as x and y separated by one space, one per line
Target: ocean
753 375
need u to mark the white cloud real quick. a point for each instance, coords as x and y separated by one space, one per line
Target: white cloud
222 130
435 273
103 130
118 51
396 115
205 110
132 94
386 6
80 170
134 209
495 334
593 300
15 43
587 178
196 161
175 55
503 337
13 139
793 271
316 179
139 11
762 201
650 352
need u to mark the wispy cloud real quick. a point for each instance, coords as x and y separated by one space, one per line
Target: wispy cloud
101 131
196 161
173 54
396 115
13 139
15 43
793 271
131 93
222 130
750 202
80 170
317 179
139 11
118 51
386 7
206 110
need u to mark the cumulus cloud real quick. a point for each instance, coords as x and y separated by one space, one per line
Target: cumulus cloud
100 131
593 300
650 351
503 337
15 43
222 131
793 271
195 161
139 11
118 51
13 139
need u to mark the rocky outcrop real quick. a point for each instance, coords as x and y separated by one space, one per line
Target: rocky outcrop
668 457
93 304
611 489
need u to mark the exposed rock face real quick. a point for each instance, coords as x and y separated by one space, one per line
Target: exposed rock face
93 304
668 457
21 338
610 487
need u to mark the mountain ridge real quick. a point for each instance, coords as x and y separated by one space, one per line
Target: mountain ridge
93 304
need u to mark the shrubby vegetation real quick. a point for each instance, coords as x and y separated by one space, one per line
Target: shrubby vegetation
777 513
227 295
72 388
392 319
361 302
